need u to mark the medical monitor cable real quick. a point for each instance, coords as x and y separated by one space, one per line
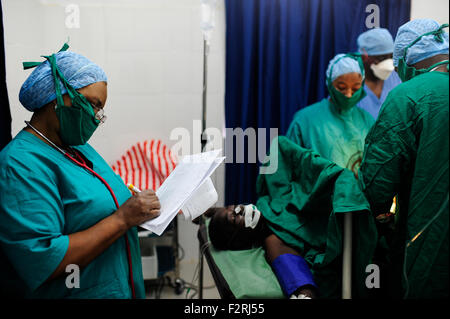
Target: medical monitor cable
441 209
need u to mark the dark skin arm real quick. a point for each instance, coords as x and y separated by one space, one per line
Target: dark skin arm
86 245
275 247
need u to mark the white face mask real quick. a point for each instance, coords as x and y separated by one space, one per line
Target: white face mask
251 215
383 69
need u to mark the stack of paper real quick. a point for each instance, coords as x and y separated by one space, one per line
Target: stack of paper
203 198
188 188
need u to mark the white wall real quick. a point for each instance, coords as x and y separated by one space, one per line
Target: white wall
152 53
430 9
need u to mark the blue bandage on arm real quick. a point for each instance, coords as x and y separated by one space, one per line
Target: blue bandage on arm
292 272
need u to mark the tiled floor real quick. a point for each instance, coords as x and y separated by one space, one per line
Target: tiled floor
189 274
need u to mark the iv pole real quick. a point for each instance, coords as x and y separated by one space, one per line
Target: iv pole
205 72
203 143
207 24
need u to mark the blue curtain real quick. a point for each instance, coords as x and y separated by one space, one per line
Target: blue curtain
277 52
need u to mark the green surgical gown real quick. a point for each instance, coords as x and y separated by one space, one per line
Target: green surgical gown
45 197
336 135
407 154
304 202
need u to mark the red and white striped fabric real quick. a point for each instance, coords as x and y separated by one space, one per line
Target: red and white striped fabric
145 165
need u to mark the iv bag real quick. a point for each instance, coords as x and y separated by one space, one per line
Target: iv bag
207 23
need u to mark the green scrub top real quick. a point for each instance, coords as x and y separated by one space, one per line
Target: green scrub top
336 135
407 154
45 197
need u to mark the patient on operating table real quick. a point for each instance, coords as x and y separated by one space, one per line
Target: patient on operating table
243 227
298 219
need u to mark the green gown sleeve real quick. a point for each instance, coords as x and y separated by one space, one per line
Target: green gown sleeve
388 153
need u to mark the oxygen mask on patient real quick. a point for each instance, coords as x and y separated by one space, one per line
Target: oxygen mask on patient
251 215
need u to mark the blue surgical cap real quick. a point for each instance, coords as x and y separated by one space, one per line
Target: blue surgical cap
343 66
376 41
39 88
425 48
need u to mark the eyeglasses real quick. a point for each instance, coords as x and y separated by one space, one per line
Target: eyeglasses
99 114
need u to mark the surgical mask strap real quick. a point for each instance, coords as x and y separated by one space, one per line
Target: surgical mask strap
56 74
29 65
59 99
436 65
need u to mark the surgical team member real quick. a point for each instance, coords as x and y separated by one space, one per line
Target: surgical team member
407 154
334 127
60 203
376 47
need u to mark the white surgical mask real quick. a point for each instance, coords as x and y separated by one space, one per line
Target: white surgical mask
383 69
251 215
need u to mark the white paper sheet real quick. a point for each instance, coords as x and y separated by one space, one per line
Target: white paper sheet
202 199
188 177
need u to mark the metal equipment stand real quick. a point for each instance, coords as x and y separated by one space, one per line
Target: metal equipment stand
203 143
347 257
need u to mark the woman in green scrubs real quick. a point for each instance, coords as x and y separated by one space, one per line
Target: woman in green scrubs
58 217
334 127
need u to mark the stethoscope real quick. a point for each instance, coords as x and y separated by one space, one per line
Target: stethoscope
82 163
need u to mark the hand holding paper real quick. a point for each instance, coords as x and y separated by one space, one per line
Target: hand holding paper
189 188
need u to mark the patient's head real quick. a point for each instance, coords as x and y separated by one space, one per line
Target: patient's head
227 229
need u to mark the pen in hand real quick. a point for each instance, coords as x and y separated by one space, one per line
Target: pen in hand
133 188
136 190
139 208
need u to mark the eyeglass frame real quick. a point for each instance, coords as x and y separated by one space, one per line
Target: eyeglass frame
100 114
